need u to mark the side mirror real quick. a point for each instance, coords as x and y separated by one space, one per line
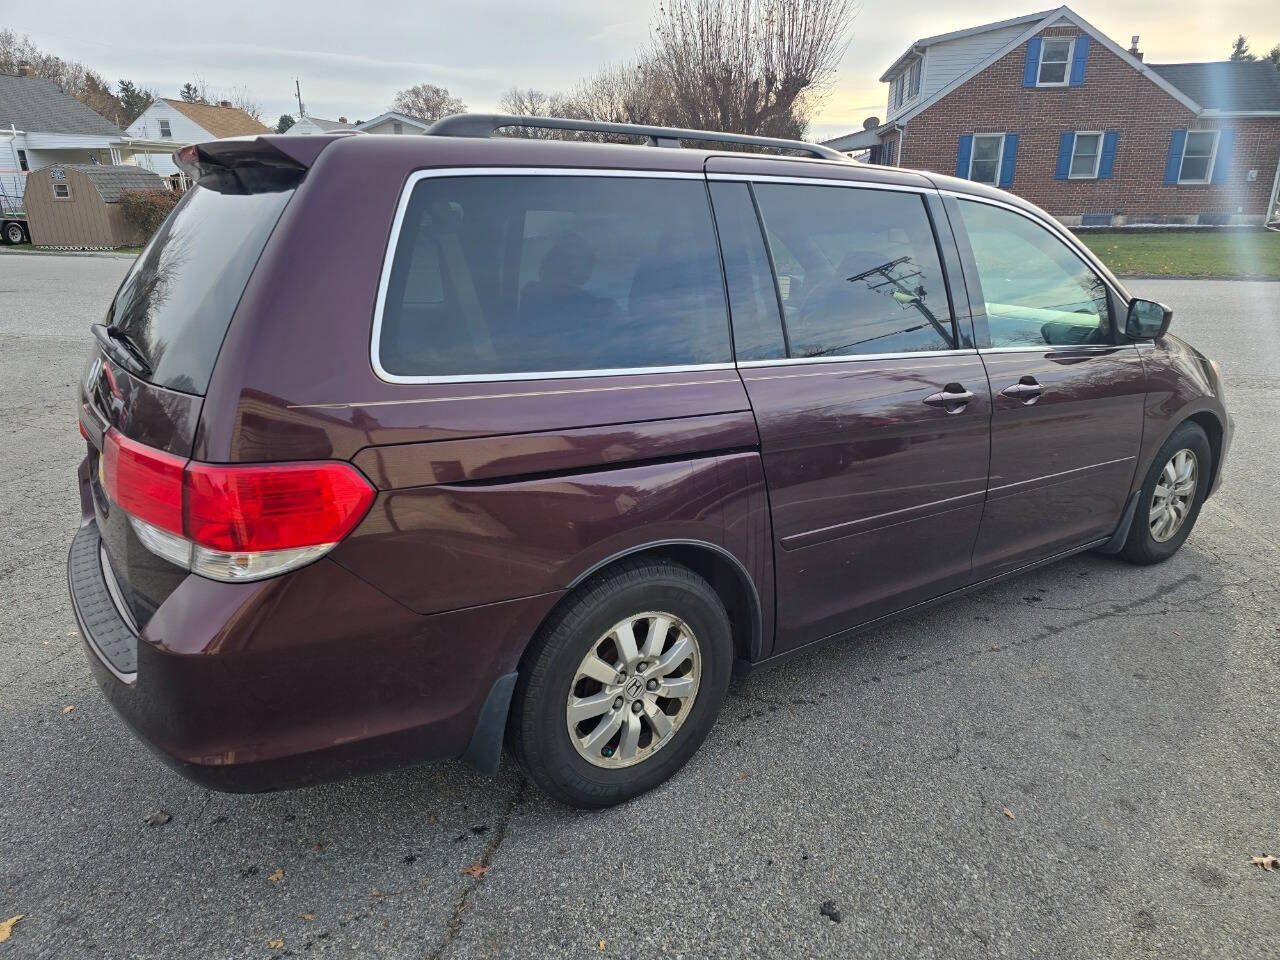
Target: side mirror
1147 320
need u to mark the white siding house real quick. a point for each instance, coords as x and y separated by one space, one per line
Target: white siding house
315 125
182 123
394 123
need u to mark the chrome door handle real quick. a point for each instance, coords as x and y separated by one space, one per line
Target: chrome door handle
953 398
1028 390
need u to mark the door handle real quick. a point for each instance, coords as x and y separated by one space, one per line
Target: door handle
953 398
1027 390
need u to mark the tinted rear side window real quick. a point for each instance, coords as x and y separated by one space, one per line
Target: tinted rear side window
857 269
501 275
177 300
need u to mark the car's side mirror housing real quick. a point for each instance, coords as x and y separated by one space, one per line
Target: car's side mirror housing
1147 320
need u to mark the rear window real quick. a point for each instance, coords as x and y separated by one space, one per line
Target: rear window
498 275
177 300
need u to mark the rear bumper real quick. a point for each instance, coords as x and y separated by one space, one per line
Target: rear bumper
308 677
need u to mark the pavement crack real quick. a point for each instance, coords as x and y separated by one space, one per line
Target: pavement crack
460 906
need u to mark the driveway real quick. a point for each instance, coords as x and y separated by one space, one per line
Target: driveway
1077 763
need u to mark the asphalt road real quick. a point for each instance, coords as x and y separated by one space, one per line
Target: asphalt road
1125 718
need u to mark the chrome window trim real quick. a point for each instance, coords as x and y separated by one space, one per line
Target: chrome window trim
1058 230
1060 348
821 181
389 257
853 357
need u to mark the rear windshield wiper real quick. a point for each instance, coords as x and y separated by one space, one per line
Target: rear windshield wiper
121 348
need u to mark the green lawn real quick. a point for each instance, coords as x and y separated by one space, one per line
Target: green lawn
1188 253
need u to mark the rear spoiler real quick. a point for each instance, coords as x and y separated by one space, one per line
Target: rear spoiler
251 164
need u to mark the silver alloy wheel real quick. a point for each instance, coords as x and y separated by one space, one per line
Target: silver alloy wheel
633 689
1174 494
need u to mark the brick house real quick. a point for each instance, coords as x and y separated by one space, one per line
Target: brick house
1048 107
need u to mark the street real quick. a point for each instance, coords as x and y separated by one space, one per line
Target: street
1079 762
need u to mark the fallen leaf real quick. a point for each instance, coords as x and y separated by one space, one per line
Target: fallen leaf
73 633
68 709
601 944
375 892
1008 813
475 870
308 916
278 875
157 818
742 775
1267 863
275 944
6 928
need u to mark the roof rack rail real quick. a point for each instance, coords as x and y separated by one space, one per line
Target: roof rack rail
486 124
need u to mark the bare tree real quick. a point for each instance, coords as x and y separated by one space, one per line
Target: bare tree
1273 56
529 102
427 102
750 66
242 99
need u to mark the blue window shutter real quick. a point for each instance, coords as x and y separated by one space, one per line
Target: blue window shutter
1009 159
1108 161
1176 143
1032 70
962 155
1222 162
1079 59
1066 143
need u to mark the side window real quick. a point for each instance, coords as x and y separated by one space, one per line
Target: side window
1055 58
753 299
1037 291
537 274
858 270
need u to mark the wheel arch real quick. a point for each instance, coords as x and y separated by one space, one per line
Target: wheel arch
719 567
1208 422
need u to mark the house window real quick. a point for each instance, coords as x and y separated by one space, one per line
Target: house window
1197 156
984 162
1055 62
22 161
913 81
1085 156
164 129
886 155
397 126
61 191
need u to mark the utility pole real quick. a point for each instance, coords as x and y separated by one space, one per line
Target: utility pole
297 92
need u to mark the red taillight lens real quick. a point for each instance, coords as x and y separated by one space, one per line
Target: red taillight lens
144 481
273 507
234 521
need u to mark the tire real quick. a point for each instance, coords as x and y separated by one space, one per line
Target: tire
14 233
1150 542
658 599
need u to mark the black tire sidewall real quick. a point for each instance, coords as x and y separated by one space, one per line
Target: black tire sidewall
1141 546
538 723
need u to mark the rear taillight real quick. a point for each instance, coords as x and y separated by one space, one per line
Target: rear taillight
233 521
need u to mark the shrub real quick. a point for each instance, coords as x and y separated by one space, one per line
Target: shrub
146 209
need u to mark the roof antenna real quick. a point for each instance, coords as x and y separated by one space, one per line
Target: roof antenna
297 92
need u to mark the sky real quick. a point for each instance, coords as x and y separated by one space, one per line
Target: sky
351 58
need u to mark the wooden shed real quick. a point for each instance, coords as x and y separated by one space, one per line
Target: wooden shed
78 204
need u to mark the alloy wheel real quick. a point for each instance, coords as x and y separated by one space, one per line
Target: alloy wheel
1173 496
633 689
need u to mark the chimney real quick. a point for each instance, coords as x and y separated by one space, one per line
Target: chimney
224 103
1133 47
342 119
26 70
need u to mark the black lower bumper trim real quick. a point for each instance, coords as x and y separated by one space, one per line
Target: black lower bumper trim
106 631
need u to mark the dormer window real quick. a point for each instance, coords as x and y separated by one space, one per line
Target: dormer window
905 87
165 132
1055 62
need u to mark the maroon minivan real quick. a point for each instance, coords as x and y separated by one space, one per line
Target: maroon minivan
402 448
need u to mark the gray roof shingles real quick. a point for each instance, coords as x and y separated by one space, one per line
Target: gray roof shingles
109 180
37 105
1226 84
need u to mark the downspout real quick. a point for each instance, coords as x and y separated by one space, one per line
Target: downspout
1275 199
